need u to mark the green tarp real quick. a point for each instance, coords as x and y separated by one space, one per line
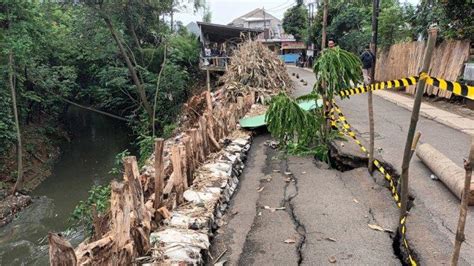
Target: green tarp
258 121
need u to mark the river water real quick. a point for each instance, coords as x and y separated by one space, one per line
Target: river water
85 161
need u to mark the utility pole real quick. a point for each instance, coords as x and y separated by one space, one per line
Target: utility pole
373 47
264 24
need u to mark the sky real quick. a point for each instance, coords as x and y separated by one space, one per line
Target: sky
224 11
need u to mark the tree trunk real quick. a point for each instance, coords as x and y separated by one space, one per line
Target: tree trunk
325 24
157 89
131 68
17 125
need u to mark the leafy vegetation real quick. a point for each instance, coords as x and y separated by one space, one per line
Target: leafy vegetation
105 55
295 21
349 22
83 214
335 70
303 132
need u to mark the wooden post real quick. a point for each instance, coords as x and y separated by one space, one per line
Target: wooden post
464 203
177 172
184 166
208 93
375 14
189 159
159 145
61 252
120 215
433 32
131 176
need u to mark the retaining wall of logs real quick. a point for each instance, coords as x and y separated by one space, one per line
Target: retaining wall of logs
141 202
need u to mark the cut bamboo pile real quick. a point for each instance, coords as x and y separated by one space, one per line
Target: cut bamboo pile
254 68
141 201
404 59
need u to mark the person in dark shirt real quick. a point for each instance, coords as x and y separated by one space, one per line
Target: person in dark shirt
367 58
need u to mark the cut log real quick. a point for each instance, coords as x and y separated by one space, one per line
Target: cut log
177 172
159 144
61 253
95 253
447 171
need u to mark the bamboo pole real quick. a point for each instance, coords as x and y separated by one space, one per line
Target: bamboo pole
159 144
464 203
375 14
433 32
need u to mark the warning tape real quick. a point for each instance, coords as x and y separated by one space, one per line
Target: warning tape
347 130
454 87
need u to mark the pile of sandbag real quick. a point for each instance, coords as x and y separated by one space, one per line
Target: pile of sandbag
185 234
254 68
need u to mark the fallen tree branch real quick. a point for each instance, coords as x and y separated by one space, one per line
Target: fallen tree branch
94 110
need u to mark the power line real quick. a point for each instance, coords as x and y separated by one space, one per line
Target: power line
278 6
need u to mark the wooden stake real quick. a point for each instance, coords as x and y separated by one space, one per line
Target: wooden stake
184 166
177 172
433 32
464 203
159 145
61 252
189 159
208 93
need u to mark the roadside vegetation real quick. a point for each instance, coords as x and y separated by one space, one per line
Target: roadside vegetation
302 132
349 22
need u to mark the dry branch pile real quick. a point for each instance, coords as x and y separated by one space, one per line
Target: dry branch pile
255 68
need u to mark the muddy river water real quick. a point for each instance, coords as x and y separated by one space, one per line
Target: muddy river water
85 161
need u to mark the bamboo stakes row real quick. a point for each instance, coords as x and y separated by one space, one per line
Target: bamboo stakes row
133 214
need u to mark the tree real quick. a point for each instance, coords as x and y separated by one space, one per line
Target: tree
11 79
207 14
295 22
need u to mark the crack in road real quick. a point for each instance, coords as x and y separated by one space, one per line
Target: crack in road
299 226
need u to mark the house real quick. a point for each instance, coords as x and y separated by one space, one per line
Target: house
273 35
218 42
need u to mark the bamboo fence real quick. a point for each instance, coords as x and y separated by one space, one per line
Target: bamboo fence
404 59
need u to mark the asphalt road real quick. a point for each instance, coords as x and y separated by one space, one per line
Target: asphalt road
433 220
325 214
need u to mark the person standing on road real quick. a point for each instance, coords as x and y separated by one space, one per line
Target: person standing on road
367 58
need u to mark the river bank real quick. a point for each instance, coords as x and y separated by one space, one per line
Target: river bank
41 150
85 161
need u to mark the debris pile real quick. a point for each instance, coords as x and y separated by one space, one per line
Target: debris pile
254 68
186 233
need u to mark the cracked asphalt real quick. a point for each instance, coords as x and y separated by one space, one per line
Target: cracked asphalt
432 221
295 211
324 214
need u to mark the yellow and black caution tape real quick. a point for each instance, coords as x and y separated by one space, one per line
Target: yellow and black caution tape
454 87
347 130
